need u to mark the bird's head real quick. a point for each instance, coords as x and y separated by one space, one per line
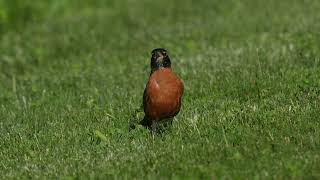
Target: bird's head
159 59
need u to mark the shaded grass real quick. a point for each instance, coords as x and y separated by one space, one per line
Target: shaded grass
251 103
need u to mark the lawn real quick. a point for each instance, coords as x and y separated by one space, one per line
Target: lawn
72 75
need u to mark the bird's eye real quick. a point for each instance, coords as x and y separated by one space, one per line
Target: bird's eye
153 55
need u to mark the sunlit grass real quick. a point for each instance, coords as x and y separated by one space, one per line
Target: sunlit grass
71 83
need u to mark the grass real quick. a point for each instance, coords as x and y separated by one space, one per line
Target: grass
71 82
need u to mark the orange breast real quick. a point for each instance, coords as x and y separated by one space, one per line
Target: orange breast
162 96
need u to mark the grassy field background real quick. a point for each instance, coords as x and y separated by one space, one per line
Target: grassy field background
72 75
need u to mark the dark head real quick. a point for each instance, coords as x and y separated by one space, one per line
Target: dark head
159 58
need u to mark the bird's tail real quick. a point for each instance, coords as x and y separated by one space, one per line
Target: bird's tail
145 122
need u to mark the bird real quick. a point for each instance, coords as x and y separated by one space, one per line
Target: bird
163 92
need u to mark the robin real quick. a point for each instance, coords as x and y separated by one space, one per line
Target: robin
163 92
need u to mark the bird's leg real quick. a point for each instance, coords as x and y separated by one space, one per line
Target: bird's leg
154 128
